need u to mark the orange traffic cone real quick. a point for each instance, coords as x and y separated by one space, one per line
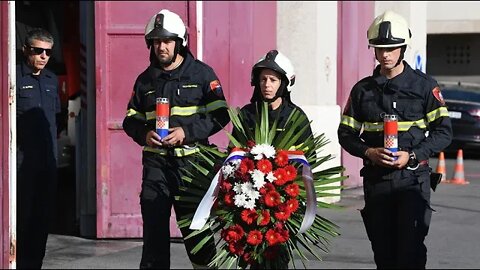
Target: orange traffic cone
459 176
441 167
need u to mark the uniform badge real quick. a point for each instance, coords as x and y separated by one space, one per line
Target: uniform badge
216 88
438 95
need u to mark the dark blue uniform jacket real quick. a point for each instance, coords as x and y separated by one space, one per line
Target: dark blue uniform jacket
37 105
424 125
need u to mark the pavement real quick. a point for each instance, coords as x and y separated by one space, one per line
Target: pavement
452 241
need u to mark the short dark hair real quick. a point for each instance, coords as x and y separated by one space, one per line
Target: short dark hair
38 34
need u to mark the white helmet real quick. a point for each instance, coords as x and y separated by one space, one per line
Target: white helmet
275 61
388 30
165 24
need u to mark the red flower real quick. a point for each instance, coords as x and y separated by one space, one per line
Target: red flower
266 188
272 237
246 165
291 172
282 235
265 219
254 237
282 212
233 233
247 257
292 190
242 177
250 143
225 185
228 198
272 198
281 177
236 248
292 205
282 158
264 165
249 215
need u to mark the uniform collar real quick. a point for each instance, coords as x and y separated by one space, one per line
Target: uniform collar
394 82
27 70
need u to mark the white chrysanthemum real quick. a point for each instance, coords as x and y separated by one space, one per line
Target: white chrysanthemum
236 162
240 200
253 194
237 187
228 170
261 150
258 178
271 177
249 204
259 183
246 187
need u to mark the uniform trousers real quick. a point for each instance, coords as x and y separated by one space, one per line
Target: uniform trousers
36 193
161 182
397 216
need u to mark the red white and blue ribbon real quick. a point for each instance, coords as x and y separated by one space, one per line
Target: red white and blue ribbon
203 210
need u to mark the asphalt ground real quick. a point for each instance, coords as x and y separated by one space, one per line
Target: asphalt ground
452 241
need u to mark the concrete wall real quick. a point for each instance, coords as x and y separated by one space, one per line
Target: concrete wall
307 35
453 17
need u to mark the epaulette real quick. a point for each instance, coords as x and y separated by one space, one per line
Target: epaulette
421 74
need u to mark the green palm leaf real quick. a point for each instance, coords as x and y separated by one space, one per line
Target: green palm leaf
317 237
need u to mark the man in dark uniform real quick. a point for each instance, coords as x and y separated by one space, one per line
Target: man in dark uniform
37 105
197 110
397 208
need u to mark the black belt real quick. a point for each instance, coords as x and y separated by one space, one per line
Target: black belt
368 162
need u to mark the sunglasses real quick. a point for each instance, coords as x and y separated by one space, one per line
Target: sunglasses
38 51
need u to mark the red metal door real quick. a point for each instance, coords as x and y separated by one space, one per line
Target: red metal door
121 55
355 61
235 35
4 127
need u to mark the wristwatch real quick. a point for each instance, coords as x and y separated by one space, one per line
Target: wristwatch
412 163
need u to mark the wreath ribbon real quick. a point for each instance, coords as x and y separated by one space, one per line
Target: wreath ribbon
203 210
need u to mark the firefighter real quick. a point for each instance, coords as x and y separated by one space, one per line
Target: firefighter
38 103
197 110
396 185
272 78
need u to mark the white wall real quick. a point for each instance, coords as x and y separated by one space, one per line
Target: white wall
307 35
453 17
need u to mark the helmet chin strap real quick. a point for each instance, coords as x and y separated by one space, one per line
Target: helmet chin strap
402 55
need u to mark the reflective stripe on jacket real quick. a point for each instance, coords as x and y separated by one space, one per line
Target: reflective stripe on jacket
412 96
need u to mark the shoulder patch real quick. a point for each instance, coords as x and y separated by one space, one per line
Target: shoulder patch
216 88
438 95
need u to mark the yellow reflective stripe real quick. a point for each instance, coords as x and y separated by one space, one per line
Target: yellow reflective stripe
402 125
376 126
351 122
151 115
177 152
217 104
186 111
135 114
437 113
